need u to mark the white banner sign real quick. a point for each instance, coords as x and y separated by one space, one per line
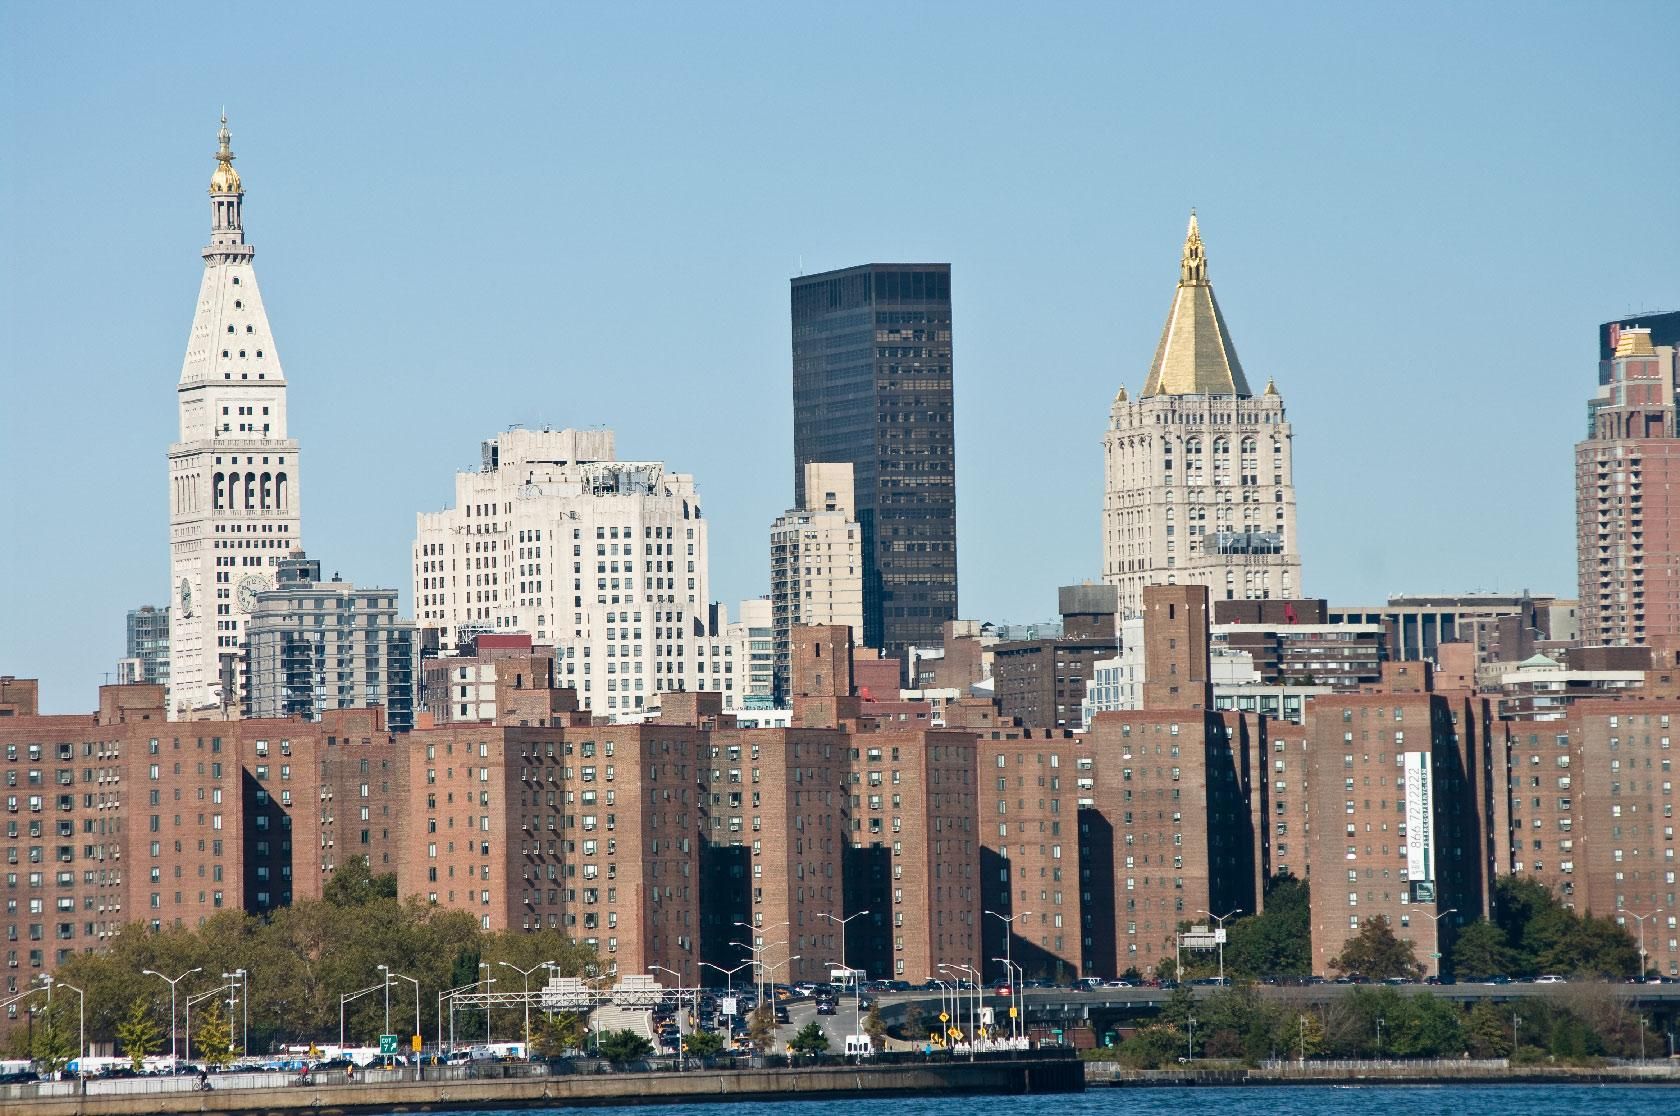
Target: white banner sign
1420 818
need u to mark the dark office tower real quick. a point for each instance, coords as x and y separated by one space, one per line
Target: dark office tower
872 386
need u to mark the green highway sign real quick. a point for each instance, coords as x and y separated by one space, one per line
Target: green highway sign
387 1044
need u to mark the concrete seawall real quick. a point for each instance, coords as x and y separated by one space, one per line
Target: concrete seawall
996 1078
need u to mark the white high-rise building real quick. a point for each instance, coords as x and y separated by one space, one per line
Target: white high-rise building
816 562
233 475
1199 489
603 559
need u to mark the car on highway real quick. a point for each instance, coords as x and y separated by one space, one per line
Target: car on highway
827 1007
1550 978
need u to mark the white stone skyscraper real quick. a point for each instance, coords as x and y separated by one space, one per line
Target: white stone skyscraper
1199 488
604 559
816 562
233 475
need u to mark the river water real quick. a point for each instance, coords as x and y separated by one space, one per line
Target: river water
1359 1100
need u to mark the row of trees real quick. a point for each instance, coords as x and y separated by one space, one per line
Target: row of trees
299 960
1532 932
1582 1021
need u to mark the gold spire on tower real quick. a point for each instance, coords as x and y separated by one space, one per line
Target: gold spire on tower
1193 267
1195 355
225 180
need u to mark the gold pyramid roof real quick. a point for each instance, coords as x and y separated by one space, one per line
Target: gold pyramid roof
1195 356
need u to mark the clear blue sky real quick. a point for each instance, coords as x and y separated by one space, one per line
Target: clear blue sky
481 215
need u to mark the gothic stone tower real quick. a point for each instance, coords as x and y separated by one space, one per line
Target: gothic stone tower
233 475
1198 485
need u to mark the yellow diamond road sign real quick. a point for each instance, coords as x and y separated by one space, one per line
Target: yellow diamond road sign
944 1017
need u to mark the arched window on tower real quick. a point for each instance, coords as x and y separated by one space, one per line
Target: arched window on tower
267 491
218 495
281 495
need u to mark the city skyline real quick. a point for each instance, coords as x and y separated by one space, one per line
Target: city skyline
1453 293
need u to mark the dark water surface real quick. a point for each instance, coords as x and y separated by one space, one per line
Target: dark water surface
1360 1100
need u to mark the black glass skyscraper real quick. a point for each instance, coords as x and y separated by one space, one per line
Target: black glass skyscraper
872 386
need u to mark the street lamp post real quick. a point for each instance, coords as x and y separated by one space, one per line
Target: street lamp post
416 984
758 961
1220 919
682 1054
1435 920
1190 1050
857 985
1379 1036
1641 918
945 1023
385 975
345 997
449 994
757 934
526 975
241 979
174 1033
1516 1021
1009 958
729 989
81 1019
1013 969
973 1008
186 1019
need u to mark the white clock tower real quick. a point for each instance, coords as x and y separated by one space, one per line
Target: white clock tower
233 475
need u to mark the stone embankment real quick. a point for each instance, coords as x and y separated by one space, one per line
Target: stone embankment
1001 1077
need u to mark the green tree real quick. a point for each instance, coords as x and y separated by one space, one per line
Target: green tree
1487 1031
354 885
55 1040
809 1039
1277 942
1375 952
139 1034
623 1046
214 1036
1304 1035
552 1036
875 1027
1547 937
1152 1047
1482 950
703 1044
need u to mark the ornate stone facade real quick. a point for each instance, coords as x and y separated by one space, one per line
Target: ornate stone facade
1199 486
233 474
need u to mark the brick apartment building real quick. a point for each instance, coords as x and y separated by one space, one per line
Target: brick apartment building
1401 794
1173 786
1036 884
1592 814
564 824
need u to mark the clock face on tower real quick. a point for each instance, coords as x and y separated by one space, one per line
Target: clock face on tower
186 599
248 590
